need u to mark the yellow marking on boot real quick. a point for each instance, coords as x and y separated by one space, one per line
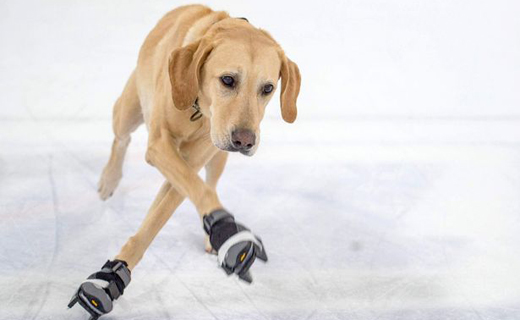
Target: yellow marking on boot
242 257
94 302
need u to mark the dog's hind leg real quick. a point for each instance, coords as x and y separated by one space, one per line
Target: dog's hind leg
127 117
214 170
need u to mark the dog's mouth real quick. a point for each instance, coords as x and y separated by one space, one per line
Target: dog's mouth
230 148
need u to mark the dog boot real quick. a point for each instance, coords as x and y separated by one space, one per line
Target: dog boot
236 246
97 293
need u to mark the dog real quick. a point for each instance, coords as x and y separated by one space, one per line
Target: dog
201 86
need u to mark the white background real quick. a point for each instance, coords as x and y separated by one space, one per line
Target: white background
395 195
414 58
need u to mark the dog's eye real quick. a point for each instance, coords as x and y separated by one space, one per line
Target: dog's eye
228 81
268 88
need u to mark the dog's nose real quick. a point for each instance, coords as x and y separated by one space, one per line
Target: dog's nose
243 139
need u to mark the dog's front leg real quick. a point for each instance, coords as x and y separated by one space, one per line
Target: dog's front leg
159 213
179 171
236 246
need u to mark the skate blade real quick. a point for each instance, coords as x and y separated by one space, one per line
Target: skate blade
246 276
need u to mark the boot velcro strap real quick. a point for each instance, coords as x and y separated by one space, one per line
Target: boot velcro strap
120 268
113 290
216 216
116 274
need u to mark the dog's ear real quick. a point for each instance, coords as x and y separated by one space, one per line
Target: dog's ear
184 69
291 81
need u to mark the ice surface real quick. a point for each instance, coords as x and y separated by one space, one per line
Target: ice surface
368 210
393 226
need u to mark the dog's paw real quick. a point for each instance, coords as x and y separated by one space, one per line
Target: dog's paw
108 183
207 246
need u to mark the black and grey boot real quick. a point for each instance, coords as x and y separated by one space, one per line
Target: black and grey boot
97 293
236 246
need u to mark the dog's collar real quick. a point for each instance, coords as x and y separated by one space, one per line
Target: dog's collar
197 114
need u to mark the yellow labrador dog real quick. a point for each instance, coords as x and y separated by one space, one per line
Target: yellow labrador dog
201 85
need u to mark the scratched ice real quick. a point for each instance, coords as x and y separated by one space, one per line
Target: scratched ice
376 204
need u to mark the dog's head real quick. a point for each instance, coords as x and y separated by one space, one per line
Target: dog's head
234 72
